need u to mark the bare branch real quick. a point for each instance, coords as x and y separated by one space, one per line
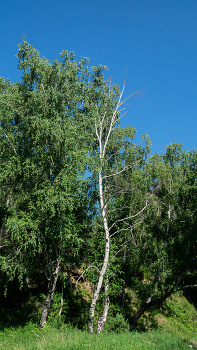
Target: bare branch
42 87
43 269
11 144
5 217
124 244
129 217
188 286
113 120
120 149
125 167
81 276
18 251
126 229
120 209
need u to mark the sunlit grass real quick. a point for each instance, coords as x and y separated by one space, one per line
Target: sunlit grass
173 328
32 338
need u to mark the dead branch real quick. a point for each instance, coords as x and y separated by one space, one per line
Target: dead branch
18 251
81 276
11 144
129 217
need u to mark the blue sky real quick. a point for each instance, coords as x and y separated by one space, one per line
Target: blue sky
155 40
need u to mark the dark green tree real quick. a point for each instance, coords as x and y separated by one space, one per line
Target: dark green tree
44 150
169 251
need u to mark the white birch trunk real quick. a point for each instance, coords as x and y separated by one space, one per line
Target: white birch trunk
123 287
5 217
62 300
103 319
103 129
105 260
50 294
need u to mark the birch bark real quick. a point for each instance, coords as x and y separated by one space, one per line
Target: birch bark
104 128
50 293
105 260
62 300
5 218
102 320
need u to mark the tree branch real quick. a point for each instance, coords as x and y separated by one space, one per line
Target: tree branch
129 217
81 276
11 144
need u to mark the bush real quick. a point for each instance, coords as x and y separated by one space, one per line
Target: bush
117 324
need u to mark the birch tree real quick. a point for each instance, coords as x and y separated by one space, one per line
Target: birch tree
113 148
43 211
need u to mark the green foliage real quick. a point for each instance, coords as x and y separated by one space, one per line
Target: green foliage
117 324
43 211
49 207
180 309
55 306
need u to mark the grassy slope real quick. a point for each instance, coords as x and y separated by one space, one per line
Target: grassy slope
29 338
176 329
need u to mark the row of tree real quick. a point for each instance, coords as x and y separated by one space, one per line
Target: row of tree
76 192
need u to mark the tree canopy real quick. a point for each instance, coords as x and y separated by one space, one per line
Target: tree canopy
80 200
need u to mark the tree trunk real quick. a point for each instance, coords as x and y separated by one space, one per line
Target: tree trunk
160 264
147 305
62 300
123 287
103 319
50 293
98 288
5 217
105 261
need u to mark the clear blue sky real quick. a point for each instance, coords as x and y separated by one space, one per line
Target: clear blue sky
155 40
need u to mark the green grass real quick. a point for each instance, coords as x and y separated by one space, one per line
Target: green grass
32 338
172 327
